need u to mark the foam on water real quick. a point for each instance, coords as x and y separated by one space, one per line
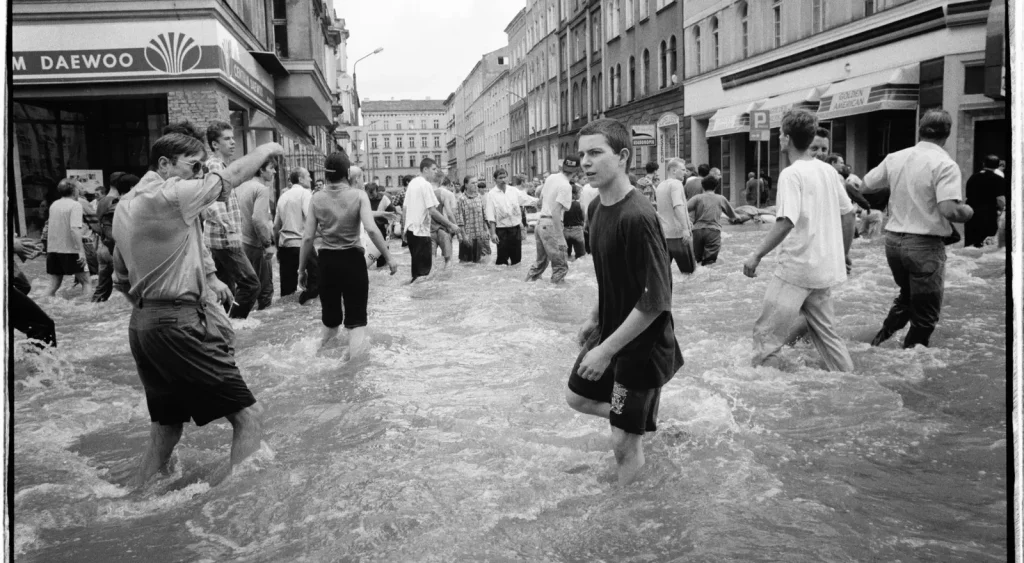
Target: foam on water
451 440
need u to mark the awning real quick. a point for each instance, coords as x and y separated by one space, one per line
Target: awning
888 89
735 119
801 99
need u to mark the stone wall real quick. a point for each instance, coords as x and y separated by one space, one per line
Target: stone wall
200 106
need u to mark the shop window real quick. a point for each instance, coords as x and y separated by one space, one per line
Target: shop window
974 79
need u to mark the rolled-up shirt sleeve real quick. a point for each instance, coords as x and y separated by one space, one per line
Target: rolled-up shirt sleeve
947 182
877 178
194 196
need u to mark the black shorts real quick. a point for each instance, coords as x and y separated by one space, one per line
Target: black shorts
343 279
61 264
633 410
421 251
186 365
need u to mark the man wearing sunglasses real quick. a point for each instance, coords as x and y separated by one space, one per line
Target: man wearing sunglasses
222 229
180 341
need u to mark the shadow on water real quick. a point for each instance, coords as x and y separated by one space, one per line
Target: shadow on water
450 440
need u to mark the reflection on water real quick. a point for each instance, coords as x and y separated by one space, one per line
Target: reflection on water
451 440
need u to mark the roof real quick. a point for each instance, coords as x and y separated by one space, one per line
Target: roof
375 106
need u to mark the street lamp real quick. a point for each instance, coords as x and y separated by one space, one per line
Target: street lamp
355 81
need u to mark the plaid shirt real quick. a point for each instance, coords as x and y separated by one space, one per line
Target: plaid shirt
222 222
470 217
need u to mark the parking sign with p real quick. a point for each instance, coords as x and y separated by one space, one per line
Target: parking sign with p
760 129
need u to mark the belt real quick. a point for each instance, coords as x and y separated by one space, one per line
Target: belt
899 234
167 302
545 216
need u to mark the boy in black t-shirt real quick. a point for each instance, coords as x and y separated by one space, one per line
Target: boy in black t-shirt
629 345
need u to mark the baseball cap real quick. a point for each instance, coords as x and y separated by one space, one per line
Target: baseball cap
570 164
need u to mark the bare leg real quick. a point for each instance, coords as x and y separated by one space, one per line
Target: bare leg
357 343
326 335
629 454
587 406
248 429
162 439
55 282
86 281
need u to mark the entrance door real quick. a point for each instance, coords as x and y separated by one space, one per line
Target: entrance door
990 137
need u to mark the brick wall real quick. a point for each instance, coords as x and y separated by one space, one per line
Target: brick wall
198 106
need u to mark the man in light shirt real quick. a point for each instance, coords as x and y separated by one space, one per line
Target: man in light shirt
925 199
503 212
420 209
257 228
66 255
675 218
288 226
180 341
551 245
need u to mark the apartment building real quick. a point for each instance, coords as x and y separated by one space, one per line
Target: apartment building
494 104
95 82
467 109
401 133
516 32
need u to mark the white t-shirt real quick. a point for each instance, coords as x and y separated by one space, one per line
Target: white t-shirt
419 198
812 196
556 190
920 177
291 209
668 195
65 214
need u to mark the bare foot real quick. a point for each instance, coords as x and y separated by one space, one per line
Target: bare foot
629 468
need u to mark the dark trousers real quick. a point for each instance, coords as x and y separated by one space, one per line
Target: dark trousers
264 271
510 245
422 253
682 252
27 317
345 288
706 244
105 285
918 265
288 259
235 270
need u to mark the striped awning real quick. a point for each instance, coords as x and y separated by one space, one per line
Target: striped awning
801 99
734 119
888 89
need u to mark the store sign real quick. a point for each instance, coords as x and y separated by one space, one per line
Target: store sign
643 135
167 53
850 99
251 83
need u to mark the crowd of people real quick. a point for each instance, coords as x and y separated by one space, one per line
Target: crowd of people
191 244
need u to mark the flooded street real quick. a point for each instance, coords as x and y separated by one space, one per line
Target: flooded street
451 440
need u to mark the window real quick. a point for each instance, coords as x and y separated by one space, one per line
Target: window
575 101
662 65
437 142
645 73
412 161
974 79
373 142
437 158
777 25
613 18
714 42
387 125
398 125
387 181
423 142
435 124
645 9
412 124
632 78
412 142
617 86
595 34
387 142
280 28
817 16
672 59
399 142
376 163
387 161
595 104
696 48
630 12
744 30
423 124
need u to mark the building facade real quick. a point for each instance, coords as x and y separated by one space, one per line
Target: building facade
495 105
401 133
516 32
468 108
868 69
94 84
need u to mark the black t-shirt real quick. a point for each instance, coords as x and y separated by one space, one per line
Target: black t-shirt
983 188
632 264
573 217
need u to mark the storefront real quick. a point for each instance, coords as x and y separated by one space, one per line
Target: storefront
668 140
727 132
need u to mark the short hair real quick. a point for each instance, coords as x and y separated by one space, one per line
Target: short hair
125 183
295 175
674 163
615 133
834 158
215 130
67 187
800 126
173 146
844 171
991 161
751 175
499 172
185 128
703 170
371 186
354 172
336 167
651 167
935 125
709 183
691 168
465 180
427 162
114 176
266 163
633 180
823 133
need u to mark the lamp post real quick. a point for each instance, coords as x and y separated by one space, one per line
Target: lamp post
355 81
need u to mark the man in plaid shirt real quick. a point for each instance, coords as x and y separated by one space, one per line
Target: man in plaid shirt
222 232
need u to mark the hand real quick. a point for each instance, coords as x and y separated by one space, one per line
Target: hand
455 231
302 279
390 216
220 289
494 238
269 251
750 266
687 237
968 213
522 234
82 261
594 364
586 331
392 265
274 149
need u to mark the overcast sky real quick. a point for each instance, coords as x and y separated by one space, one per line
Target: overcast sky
429 45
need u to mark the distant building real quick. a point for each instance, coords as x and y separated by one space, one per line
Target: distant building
467 111
401 133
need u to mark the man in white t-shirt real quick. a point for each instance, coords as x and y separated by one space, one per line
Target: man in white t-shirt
813 213
289 222
670 199
420 207
551 245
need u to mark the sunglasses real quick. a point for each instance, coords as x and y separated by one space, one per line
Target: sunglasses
197 166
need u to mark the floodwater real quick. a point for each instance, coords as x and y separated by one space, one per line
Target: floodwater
451 441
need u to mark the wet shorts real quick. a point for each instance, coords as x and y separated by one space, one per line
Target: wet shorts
62 264
633 410
186 364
